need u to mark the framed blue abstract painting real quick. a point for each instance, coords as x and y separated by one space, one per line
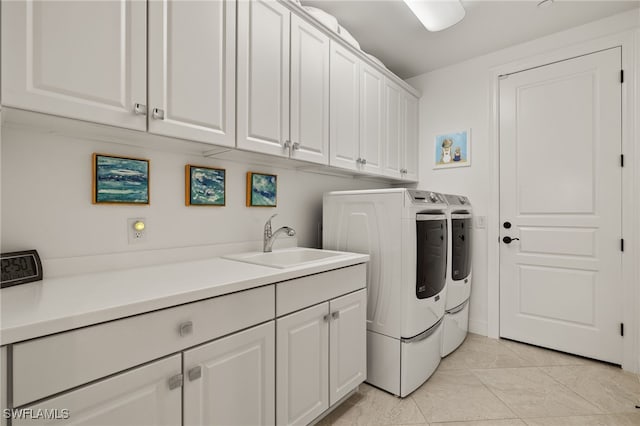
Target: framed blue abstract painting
120 180
453 150
262 190
205 186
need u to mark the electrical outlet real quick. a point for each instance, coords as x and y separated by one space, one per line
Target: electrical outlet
137 230
481 222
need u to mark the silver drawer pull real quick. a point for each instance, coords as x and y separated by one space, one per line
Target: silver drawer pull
326 318
359 160
296 145
158 114
335 315
175 381
140 109
364 161
195 373
186 328
286 144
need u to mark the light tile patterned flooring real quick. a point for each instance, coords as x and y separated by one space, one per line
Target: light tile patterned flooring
489 382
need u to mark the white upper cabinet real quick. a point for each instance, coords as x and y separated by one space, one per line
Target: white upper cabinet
345 108
84 60
192 70
410 146
371 118
263 77
394 123
309 92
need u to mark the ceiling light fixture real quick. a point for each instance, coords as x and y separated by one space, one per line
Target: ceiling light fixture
436 15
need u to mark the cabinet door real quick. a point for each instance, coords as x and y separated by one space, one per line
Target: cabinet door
83 60
345 108
348 344
232 381
394 123
410 146
192 70
138 397
309 92
371 118
302 363
263 76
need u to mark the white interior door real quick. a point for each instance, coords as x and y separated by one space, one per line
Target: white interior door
560 180
192 72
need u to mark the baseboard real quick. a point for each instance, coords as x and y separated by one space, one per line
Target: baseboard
478 327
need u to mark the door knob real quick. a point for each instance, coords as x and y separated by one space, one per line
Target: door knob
507 225
507 240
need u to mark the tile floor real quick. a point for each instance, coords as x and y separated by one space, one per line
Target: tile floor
489 382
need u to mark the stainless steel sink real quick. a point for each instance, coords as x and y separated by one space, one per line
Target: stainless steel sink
285 258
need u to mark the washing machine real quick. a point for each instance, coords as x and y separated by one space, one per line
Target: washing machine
456 318
405 233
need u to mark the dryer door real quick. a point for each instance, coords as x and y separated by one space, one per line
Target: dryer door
431 240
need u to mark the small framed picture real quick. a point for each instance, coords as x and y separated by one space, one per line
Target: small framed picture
453 150
262 190
204 186
120 180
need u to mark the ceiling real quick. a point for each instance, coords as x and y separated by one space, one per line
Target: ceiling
387 28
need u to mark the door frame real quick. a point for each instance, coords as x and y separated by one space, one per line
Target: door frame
629 42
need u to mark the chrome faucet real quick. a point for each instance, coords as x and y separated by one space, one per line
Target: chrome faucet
270 237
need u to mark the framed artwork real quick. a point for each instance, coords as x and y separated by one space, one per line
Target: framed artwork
262 190
120 180
204 186
453 150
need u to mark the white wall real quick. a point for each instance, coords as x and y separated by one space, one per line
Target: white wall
460 97
46 204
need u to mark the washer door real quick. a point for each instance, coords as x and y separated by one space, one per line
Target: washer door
431 240
461 246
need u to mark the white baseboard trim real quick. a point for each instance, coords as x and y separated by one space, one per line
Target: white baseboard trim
478 327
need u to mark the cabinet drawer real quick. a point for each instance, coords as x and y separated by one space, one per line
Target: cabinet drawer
47 365
297 294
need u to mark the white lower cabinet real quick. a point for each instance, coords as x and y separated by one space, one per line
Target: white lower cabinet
321 357
231 381
348 344
303 365
148 395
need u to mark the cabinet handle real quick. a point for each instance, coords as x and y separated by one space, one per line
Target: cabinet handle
175 381
335 315
186 328
364 161
195 373
359 160
326 318
296 146
403 171
140 109
158 114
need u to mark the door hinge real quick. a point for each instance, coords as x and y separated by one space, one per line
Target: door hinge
621 244
621 76
621 160
622 329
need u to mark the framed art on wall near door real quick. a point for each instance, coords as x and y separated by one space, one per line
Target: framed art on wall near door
453 150
120 180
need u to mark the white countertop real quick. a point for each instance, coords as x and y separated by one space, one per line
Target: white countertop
64 303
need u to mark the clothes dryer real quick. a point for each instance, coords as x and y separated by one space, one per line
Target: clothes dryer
456 319
405 233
